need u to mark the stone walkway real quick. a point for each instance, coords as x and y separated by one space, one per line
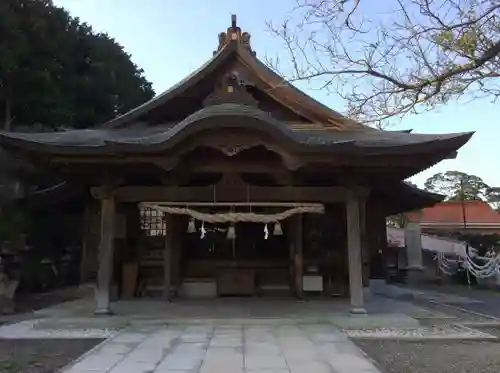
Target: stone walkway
292 348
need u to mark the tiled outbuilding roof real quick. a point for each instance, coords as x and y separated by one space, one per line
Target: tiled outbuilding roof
477 213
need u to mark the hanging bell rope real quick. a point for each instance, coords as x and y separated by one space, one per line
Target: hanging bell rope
191 226
231 233
236 217
278 231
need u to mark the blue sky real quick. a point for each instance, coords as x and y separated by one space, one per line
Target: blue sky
171 38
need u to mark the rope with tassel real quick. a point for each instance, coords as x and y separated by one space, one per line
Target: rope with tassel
235 217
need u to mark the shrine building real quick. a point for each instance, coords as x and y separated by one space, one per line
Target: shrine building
235 183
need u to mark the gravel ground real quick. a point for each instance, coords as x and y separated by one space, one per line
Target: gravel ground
490 298
460 316
40 356
433 356
428 332
493 330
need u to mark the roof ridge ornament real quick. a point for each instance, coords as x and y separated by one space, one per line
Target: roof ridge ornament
231 88
234 34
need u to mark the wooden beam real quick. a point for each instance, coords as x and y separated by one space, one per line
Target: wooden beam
328 160
229 166
235 204
235 194
166 163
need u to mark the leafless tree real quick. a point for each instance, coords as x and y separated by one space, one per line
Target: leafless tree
387 59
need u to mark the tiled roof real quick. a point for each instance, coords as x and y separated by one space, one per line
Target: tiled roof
144 139
452 212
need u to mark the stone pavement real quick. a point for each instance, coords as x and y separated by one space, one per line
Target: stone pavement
224 335
236 308
283 348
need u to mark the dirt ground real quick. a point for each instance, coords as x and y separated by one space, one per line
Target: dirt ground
433 356
40 356
32 302
27 303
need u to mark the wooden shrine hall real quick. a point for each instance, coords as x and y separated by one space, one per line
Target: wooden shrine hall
235 183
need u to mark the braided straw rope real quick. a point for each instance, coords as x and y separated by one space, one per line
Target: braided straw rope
234 217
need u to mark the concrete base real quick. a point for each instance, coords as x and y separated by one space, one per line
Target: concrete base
358 311
103 312
382 312
201 289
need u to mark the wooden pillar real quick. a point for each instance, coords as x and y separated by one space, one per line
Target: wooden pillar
365 248
167 257
298 254
86 227
353 213
175 266
291 252
105 256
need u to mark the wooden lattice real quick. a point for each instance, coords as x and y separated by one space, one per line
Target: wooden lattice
153 221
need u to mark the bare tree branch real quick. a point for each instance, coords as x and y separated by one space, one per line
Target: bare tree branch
410 56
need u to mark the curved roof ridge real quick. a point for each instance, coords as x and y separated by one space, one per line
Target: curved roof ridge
264 120
109 140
